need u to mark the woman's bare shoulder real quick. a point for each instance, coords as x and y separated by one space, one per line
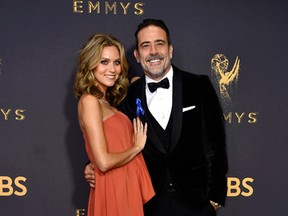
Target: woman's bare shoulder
90 102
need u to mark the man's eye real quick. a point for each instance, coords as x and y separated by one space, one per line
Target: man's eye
145 46
160 44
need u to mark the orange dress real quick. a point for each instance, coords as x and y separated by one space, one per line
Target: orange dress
120 191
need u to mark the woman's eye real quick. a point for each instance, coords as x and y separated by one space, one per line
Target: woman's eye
104 62
117 62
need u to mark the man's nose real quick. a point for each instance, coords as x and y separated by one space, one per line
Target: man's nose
153 48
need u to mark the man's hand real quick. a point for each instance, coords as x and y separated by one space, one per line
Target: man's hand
89 174
134 78
215 205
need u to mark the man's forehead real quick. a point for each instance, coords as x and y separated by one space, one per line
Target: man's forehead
152 34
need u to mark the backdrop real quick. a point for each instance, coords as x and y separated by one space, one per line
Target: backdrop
241 45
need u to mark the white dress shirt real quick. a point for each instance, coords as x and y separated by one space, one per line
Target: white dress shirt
160 102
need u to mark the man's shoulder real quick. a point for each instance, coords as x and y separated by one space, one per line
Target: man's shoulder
189 75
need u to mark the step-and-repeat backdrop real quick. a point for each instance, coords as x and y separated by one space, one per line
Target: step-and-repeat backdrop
241 45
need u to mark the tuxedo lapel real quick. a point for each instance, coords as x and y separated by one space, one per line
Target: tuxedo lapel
151 132
176 113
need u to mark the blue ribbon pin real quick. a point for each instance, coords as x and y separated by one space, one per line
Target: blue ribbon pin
139 108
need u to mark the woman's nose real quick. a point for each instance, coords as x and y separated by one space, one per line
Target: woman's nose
112 67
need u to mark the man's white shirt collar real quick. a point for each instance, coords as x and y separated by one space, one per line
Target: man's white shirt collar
160 101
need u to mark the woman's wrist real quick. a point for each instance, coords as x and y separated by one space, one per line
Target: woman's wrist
138 148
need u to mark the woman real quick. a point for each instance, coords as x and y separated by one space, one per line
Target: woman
113 144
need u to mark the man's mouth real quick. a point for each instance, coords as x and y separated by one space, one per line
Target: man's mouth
154 60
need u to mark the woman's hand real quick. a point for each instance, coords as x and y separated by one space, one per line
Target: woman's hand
140 133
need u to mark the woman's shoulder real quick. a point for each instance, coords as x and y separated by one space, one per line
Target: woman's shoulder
88 100
85 97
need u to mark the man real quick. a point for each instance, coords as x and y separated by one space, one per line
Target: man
185 150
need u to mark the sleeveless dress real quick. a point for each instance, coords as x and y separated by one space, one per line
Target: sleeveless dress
120 191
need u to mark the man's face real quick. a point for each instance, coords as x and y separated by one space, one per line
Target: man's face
154 54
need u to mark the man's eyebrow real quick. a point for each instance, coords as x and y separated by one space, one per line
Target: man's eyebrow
156 41
160 40
145 42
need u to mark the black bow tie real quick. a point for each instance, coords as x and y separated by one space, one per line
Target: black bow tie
162 84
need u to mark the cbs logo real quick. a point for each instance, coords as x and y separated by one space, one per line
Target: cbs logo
8 186
237 187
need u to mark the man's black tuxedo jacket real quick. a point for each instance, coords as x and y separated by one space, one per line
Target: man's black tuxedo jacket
197 159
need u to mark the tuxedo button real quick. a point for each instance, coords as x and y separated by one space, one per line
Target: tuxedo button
171 187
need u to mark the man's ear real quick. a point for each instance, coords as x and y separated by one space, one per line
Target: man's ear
136 55
171 51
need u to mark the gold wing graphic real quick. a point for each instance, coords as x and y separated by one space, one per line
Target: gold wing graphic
228 77
225 78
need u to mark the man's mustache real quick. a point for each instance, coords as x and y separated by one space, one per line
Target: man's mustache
155 57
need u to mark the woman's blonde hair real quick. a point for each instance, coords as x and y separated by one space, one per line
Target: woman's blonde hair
89 57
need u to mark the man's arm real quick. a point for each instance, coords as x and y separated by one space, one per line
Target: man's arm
216 145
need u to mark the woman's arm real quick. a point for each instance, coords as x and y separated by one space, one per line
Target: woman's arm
91 123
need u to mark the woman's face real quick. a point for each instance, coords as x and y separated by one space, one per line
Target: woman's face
109 68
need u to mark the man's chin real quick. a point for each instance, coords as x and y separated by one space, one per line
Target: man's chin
155 73
155 69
